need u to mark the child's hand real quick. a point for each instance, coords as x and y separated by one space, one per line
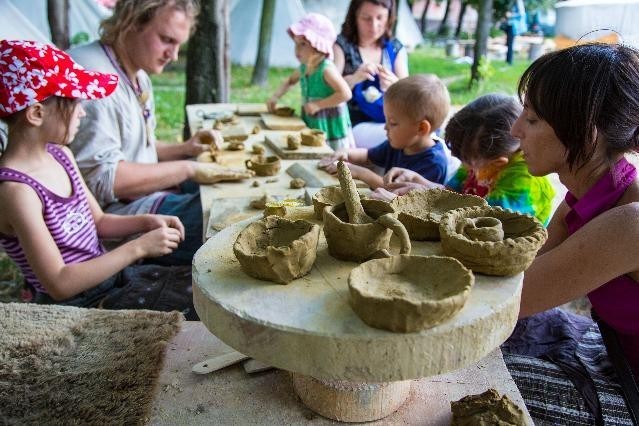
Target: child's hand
155 221
383 195
401 188
399 174
331 160
311 108
271 104
159 242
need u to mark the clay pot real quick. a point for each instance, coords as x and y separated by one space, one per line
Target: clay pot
293 141
313 137
284 111
420 211
471 235
277 249
363 241
396 294
264 166
328 196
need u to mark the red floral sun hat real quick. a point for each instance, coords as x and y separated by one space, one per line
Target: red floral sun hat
32 72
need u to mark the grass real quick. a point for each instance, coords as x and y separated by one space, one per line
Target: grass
169 86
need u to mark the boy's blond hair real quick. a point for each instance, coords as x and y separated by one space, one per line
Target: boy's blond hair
420 97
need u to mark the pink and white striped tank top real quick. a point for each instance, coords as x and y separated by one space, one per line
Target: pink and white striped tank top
68 219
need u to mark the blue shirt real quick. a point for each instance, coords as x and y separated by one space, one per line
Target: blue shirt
430 163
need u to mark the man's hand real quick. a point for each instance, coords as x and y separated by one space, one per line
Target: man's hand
207 173
203 140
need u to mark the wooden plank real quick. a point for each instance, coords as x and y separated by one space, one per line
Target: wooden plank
251 109
218 362
275 122
277 142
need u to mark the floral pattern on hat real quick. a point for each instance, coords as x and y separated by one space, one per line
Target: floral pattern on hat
31 72
318 30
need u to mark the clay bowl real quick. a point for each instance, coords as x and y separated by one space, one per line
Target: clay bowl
473 235
284 111
277 249
360 242
313 137
328 196
421 210
264 166
409 293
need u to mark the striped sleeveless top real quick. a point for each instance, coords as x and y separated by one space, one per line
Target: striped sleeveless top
68 219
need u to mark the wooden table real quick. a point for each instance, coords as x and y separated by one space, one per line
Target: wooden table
231 396
231 198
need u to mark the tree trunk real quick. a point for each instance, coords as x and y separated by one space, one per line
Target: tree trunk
260 71
207 62
460 20
484 21
58 16
423 22
444 29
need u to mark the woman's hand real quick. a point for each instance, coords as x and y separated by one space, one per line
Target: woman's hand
386 78
366 71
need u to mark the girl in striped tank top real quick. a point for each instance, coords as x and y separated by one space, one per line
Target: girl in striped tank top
50 224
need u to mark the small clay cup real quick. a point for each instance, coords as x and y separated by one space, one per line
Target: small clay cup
277 249
358 242
262 166
513 253
284 111
313 137
396 294
421 210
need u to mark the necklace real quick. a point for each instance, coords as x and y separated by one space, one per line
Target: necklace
141 95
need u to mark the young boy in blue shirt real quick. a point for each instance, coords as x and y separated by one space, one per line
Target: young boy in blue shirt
414 107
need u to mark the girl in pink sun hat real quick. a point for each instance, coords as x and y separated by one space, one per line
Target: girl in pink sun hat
324 91
50 224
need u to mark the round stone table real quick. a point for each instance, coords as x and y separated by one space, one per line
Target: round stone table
342 368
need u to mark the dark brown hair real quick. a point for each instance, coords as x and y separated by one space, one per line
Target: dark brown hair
420 97
349 27
588 94
481 129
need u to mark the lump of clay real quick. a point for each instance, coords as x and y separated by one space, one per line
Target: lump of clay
293 141
284 111
235 146
482 229
281 208
297 183
258 149
218 125
277 249
260 203
256 130
487 408
395 294
313 137
421 210
523 235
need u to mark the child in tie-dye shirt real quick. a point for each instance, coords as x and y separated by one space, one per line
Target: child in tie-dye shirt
493 166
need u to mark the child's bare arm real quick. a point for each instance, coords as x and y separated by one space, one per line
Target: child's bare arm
291 81
338 84
353 155
369 177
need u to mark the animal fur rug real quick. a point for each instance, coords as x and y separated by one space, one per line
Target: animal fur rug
66 365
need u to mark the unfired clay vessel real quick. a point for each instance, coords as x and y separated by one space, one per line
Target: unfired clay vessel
264 166
481 249
257 149
293 141
421 210
284 111
313 137
327 196
397 294
277 249
358 230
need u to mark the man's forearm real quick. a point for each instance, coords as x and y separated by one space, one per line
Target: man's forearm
170 151
133 180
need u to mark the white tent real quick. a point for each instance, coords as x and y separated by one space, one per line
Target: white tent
594 19
245 27
27 19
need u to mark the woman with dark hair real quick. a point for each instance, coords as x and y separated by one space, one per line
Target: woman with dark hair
370 60
580 119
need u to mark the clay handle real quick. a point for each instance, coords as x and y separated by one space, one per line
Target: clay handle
249 164
388 221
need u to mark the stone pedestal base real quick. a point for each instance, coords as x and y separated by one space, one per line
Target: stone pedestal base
350 401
